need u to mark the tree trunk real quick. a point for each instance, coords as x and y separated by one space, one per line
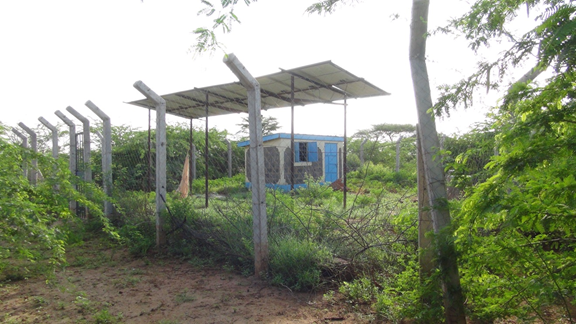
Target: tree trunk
434 172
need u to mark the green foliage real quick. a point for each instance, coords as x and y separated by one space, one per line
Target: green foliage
131 159
466 156
378 175
34 220
297 263
516 228
224 19
269 126
104 317
387 132
550 42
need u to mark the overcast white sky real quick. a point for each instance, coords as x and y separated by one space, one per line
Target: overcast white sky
64 52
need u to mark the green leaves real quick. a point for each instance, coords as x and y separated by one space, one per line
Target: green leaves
206 38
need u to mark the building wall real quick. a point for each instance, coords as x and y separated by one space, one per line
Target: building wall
277 167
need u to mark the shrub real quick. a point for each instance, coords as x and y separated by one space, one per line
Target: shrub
297 263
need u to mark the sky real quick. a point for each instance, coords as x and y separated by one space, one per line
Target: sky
62 53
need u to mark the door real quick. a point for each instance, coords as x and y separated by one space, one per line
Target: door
331 162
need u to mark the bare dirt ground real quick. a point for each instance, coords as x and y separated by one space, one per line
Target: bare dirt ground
104 285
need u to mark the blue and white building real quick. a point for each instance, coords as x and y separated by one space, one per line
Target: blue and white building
316 156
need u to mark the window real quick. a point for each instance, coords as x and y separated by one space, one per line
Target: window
306 152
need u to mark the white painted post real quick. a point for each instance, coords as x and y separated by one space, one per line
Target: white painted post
256 164
160 156
25 146
54 136
86 138
72 160
33 174
106 155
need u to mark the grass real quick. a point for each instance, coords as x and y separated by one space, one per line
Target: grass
184 297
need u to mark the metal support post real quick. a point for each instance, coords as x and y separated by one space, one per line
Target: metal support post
54 136
193 162
229 158
72 161
292 169
206 150
33 174
86 137
25 146
106 155
190 153
344 156
256 164
160 104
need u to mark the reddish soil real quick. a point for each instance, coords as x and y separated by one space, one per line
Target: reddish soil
103 285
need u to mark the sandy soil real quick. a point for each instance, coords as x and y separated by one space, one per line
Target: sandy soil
103 285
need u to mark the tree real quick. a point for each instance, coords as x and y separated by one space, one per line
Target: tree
433 169
35 220
453 299
391 131
269 125
516 224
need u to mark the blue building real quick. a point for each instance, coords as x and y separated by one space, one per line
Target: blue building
314 156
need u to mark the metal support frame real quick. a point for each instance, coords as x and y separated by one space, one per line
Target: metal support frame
86 147
33 174
344 155
25 146
160 156
193 162
54 131
191 168
229 157
72 160
292 168
106 155
206 150
256 164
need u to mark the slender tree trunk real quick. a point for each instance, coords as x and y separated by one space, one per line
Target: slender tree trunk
433 170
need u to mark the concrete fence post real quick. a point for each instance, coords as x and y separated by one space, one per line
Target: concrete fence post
86 141
160 104
106 155
33 174
25 146
256 164
55 148
72 154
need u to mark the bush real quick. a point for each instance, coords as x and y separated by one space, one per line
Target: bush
297 264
